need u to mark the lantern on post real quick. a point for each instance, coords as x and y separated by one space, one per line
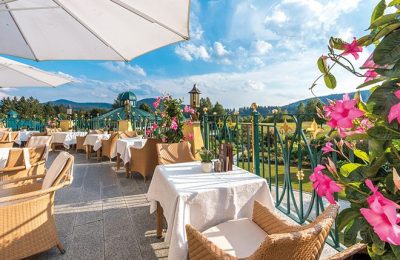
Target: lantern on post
195 97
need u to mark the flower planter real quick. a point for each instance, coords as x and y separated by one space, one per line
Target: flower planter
206 167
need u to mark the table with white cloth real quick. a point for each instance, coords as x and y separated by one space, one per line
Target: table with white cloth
123 149
4 152
188 196
24 136
93 142
66 138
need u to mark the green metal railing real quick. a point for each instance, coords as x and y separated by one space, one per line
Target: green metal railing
79 123
284 153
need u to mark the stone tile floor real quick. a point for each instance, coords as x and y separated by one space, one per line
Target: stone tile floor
104 215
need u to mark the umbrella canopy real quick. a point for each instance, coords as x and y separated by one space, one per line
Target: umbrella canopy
14 74
90 29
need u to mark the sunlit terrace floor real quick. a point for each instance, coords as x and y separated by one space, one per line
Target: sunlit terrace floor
104 215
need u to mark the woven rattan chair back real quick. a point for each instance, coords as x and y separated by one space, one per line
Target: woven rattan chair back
174 153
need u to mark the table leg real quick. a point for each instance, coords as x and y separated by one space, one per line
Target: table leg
98 152
118 161
87 151
127 171
159 220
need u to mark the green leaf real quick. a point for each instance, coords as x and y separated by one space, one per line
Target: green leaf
348 168
337 43
364 41
396 249
346 216
368 83
376 240
351 231
389 183
388 50
383 133
385 31
394 2
362 155
330 81
322 65
378 11
385 19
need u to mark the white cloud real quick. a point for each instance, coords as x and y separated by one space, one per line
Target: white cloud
220 49
254 85
124 68
346 34
278 17
192 52
261 47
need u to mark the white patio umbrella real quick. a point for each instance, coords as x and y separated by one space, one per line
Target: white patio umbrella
90 29
15 75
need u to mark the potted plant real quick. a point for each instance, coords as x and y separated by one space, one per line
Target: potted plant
170 119
206 157
371 131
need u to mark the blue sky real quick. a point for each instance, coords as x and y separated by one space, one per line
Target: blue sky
241 51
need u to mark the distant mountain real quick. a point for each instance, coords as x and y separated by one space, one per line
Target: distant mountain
78 105
148 101
291 108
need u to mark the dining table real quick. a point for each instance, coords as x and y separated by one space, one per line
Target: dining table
93 142
24 136
67 139
123 149
183 194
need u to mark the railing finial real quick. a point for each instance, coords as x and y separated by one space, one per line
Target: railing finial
254 107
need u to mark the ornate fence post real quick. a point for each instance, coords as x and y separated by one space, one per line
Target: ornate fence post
256 140
205 129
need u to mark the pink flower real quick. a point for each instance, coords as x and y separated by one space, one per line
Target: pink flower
327 148
189 110
189 137
174 124
369 63
324 185
153 126
342 112
370 75
365 124
148 132
352 48
394 112
382 216
164 139
157 103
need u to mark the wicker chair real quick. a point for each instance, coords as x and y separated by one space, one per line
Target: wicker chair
6 144
128 134
26 212
144 160
80 140
266 236
108 146
174 153
35 141
15 167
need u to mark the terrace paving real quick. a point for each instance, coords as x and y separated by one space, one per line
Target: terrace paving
104 215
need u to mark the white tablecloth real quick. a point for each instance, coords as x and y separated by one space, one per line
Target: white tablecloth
24 136
66 138
123 147
95 140
203 200
4 157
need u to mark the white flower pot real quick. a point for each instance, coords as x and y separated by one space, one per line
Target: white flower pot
206 167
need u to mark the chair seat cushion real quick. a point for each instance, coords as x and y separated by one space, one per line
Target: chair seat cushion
240 237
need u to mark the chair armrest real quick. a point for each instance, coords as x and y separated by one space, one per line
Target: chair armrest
202 248
41 176
41 162
33 193
350 251
12 169
271 222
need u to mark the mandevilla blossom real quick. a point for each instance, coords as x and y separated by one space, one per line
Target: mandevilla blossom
327 148
189 110
341 113
394 112
148 132
174 124
369 63
370 75
362 128
189 137
324 185
352 48
156 103
382 215
154 126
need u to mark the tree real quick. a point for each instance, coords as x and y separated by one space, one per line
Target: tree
301 109
146 107
204 103
311 110
218 109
